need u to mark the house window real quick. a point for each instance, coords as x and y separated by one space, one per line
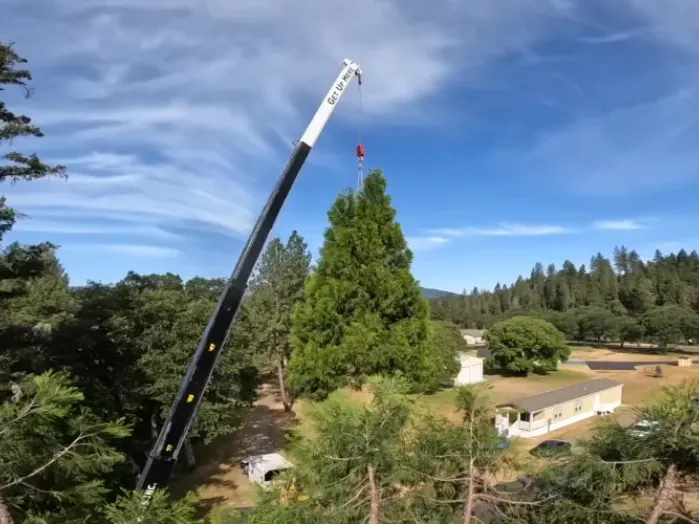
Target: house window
578 405
557 412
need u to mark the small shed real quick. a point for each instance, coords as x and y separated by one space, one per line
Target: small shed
471 370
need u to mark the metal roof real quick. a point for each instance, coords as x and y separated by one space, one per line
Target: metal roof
559 396
473 332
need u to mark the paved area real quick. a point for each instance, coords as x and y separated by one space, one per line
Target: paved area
628 365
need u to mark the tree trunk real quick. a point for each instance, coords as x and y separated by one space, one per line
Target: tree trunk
286 400
374 496
468 495
666 496
5 517
154 427
190 459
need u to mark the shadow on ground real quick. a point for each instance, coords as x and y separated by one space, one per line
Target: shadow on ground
218 478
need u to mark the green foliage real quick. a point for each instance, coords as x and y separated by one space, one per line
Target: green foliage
54 452
451 464
390 462
623 299
12 126
446 343
130 507
525 344
363 313
173 327
35 306
276 288
668 324
353 444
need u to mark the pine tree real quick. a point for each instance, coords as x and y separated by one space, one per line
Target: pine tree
363 313
54 453
13 126
276 289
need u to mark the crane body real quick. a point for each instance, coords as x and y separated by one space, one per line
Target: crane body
166 449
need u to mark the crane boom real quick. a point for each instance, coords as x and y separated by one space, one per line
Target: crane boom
166 449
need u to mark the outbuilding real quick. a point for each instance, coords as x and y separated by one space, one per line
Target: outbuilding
471 370
473 337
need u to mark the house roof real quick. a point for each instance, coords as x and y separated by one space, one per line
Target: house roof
566 394
473 332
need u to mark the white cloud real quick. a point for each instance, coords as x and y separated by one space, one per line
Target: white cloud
67 228
503 230
425 243
137 250
180 112
617 225
634 125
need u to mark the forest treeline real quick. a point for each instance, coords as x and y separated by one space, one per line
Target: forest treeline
622 299
87 376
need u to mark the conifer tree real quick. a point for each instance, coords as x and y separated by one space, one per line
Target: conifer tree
363 313
17 166
276 289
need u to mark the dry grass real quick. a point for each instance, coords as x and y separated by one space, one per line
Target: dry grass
218 480
630 354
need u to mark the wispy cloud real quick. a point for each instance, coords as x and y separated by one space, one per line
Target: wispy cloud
503 230
636 123
169 113
617 225
137 250
526 230
418 243
84 228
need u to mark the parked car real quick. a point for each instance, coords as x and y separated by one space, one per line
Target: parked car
552 447
643 428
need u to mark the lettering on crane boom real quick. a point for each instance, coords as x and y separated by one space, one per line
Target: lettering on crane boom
340 86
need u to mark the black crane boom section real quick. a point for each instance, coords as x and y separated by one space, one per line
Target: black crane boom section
166 449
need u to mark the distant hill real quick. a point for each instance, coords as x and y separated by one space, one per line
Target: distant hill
430 293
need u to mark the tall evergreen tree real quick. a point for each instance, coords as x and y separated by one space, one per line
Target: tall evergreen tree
276 288
12 126
363 313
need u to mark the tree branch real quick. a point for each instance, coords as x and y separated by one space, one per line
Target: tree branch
46 465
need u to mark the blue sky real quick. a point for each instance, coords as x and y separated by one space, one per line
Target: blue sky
511 131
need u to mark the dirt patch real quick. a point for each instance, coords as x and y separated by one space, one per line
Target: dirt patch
609 355
218 479
639 388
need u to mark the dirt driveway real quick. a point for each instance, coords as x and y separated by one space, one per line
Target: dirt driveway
218 479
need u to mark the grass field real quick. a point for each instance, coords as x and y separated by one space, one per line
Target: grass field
219 481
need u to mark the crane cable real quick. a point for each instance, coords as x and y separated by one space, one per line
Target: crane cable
360 147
